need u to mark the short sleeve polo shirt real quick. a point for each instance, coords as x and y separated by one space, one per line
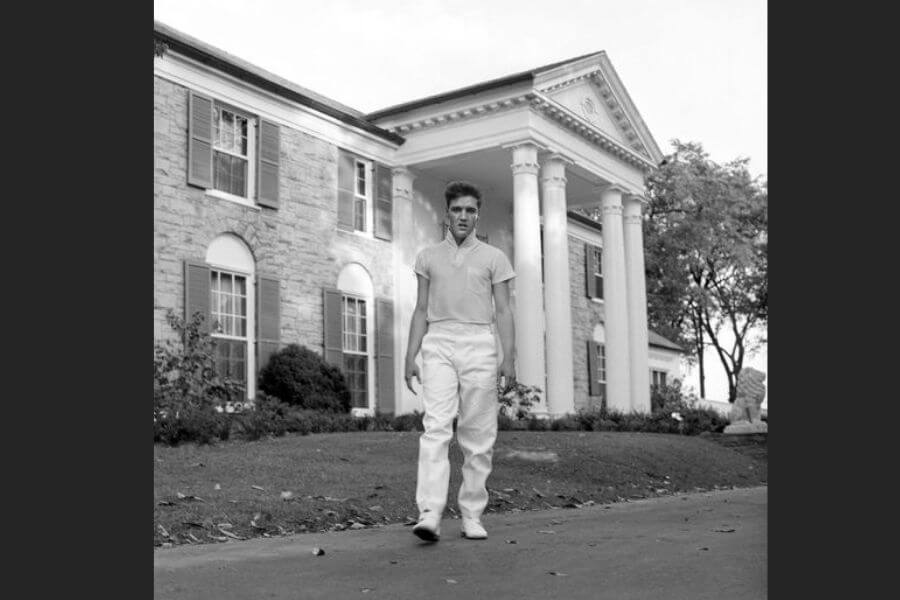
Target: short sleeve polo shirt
460 279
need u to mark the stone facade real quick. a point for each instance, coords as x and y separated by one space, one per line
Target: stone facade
298 243
586 314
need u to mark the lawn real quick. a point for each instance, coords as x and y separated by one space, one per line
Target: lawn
294 484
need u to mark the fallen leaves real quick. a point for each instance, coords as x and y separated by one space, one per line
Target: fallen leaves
558 574
549 531
318 551
258 487
724 530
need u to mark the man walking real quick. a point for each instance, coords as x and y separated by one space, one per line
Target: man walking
462 283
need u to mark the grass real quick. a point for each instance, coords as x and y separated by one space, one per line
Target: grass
356 480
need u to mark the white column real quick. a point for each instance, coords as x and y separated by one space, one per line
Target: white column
405 286
637 305
557 295
529 300
615 301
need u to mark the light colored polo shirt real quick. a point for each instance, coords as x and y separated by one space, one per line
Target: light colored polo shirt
460 279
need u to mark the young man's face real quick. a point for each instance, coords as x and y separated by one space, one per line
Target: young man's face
462 214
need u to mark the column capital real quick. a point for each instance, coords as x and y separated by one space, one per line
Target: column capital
634 205
525 157
403 181
402 171
554 171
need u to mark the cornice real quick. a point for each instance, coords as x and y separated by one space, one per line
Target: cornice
461 114
587 130
597 80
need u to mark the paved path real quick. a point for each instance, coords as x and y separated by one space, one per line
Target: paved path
664 548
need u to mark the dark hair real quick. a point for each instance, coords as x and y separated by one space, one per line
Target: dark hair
458 189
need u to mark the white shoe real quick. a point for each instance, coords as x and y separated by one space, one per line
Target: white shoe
472 529
429 526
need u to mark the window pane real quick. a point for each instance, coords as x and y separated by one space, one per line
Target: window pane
240 285
227 138
242 147
222 179
360 179
241 327
362 343
242 307
238 177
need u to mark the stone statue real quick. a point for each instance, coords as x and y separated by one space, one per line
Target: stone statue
745 412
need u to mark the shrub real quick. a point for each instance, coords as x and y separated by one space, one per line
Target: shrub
190 424
188 392
408 422
517 401
300 377
268 416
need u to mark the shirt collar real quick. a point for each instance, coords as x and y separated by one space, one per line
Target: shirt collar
470 241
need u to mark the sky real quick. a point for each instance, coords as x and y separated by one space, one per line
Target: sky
695 69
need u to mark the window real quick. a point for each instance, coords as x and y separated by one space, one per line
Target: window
598 272
657 378
355 347
228 308
601 368
361 190
233 151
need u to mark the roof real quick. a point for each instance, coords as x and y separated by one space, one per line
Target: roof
219 59
477 88
659 341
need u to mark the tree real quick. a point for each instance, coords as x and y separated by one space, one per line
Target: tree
706 256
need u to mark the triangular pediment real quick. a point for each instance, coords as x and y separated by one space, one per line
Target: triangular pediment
585 100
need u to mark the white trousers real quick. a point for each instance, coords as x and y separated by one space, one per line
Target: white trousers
459 375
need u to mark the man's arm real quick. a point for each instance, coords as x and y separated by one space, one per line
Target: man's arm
417 328
507 330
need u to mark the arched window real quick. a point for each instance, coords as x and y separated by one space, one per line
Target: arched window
231 308
597 362
357 295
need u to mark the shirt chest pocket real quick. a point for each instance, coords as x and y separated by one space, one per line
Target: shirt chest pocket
478 280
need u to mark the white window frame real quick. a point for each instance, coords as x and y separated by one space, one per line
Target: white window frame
368 352
662 373
601 364
248 339
252 142
369 219
598 250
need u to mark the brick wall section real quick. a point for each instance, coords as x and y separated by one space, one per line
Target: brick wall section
586 314
299 243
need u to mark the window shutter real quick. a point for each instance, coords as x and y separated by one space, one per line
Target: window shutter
384 202
334 329
590 266
384 355
268 318
267 165
593 369
196 291
346 181
200 133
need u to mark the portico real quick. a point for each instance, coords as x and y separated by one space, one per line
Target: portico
538 144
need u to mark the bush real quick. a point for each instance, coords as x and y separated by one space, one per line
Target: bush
268 416
408 422
188 393
517 401
191 424
300 377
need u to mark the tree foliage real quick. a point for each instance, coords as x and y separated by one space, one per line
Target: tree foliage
707 255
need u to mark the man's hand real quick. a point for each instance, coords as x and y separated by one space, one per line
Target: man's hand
412 370
506 375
